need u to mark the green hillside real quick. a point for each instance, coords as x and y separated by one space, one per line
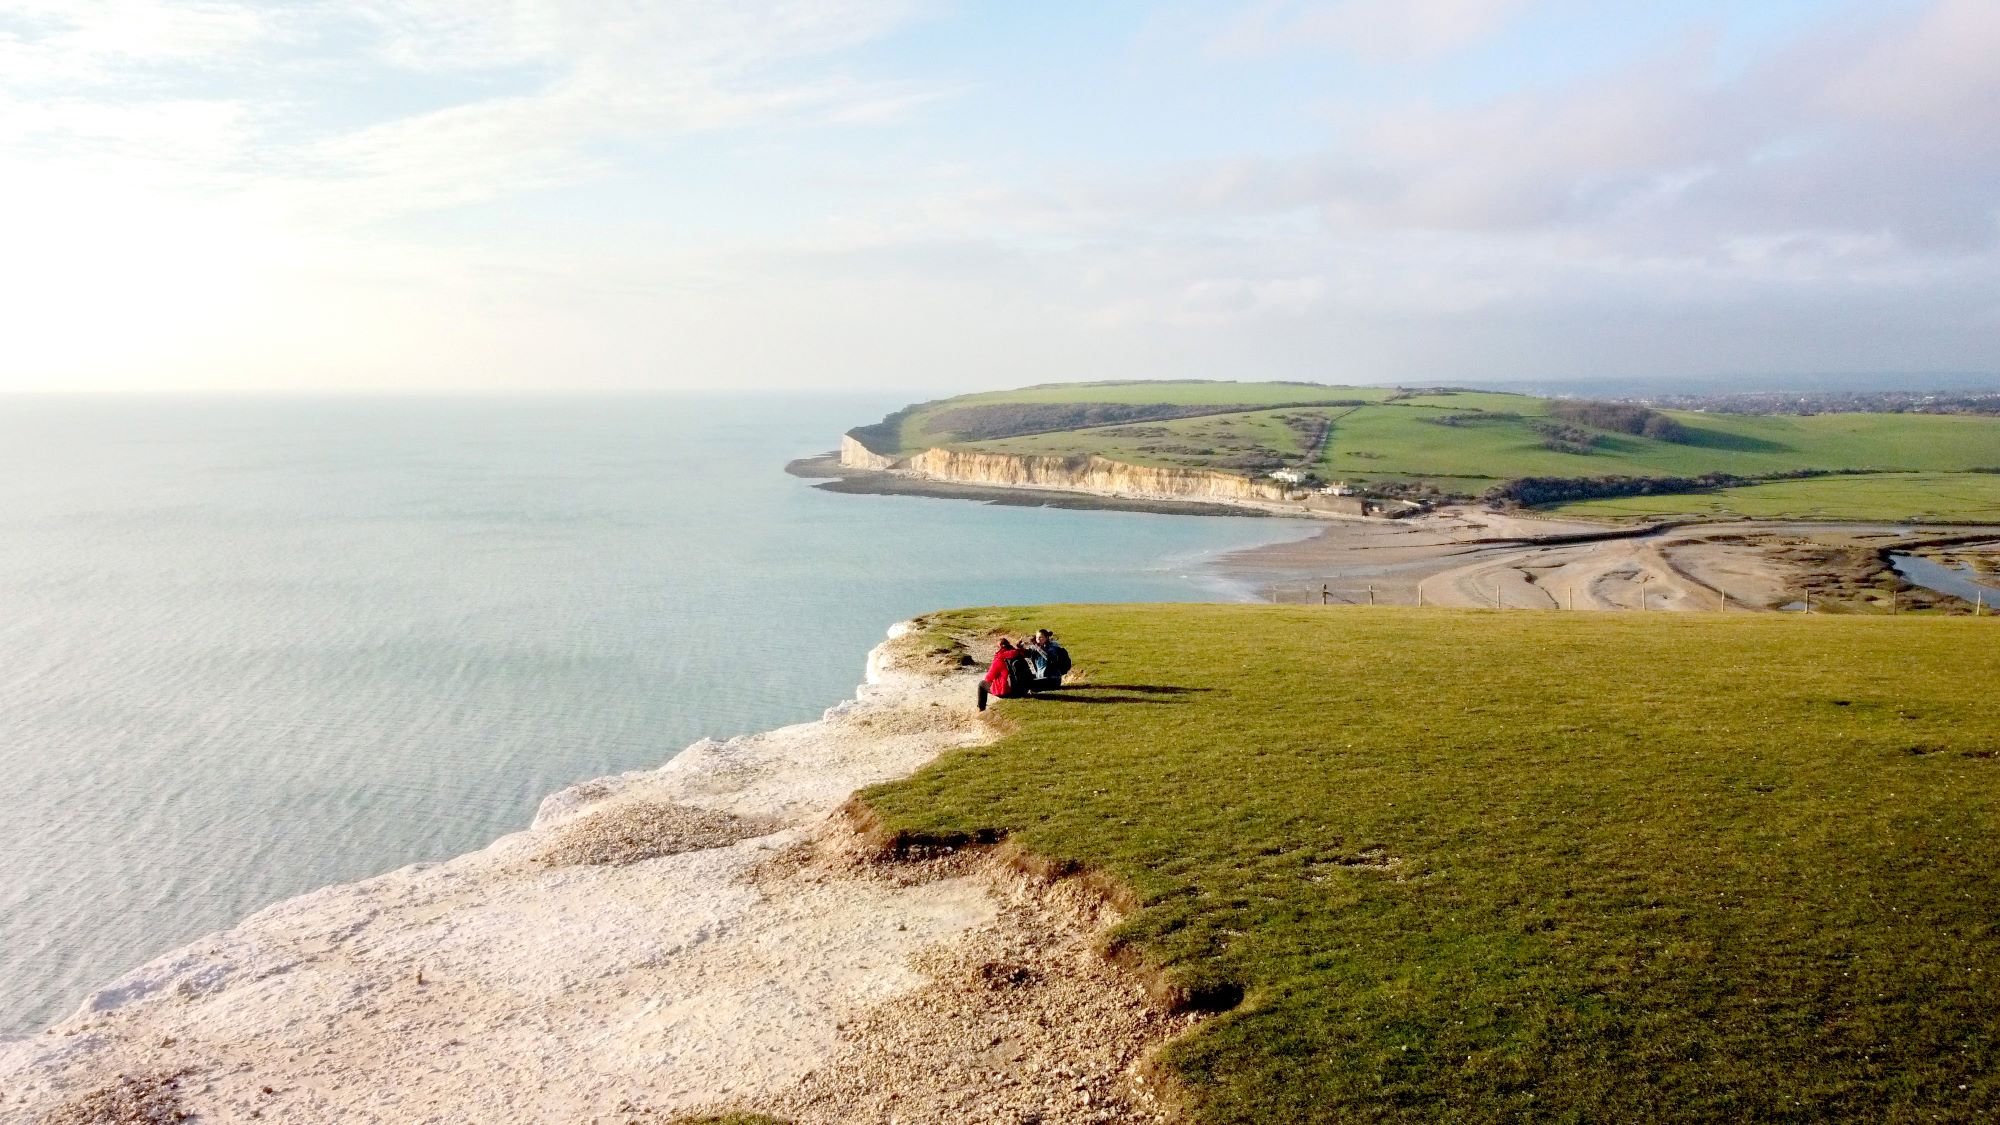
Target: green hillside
1478 867
1912 497
1460 443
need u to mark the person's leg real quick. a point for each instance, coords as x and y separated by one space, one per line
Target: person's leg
982 695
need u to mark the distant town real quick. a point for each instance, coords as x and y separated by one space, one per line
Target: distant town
1830 402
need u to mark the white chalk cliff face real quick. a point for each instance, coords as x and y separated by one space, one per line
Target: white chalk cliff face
637 938
1092 474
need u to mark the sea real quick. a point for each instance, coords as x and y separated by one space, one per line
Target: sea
250 646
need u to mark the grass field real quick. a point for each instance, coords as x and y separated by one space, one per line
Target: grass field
1479 867
1920 497
920 430
1379 436
1184 392
1209 441
1396 441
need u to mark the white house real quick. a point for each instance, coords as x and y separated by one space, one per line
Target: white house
1337 488
1288 476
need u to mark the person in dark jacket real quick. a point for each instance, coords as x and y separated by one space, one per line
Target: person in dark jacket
999 678
1052 661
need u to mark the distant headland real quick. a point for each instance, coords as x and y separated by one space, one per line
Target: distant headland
1310 449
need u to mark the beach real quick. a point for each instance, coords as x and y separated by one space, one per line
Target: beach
1473 558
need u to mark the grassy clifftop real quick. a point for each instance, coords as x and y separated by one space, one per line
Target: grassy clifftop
1471 867
1464 443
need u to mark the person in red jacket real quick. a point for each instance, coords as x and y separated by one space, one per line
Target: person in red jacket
999 679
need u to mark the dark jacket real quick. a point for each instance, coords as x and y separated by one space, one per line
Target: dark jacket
1055 661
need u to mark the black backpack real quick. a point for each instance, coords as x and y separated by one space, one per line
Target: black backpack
1058 658
1020 674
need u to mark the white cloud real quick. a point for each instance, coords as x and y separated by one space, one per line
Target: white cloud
79 42
170 167
1937 70
1379 30
1835 205
344 193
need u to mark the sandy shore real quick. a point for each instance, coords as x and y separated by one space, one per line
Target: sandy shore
706 935
1473 558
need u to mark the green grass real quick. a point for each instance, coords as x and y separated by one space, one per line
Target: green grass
1202 442
1456 402
1478 867
1953 497
1183 393
1394 441
918 433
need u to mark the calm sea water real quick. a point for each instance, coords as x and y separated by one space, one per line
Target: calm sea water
252 646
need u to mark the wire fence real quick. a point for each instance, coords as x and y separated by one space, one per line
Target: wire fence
1327 593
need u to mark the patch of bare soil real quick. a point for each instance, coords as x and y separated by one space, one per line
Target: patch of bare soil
148 1099
631 831
1024 1020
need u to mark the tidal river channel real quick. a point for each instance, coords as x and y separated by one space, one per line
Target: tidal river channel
1958 581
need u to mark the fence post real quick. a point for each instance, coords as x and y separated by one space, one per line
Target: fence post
1371 595
1496 595
1322 593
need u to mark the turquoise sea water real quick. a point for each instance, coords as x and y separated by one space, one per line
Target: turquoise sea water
253 646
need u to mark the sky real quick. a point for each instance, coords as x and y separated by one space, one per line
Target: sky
938 196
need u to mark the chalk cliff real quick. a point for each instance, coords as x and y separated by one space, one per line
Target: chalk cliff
1090 474
661 945
1104 477
855 455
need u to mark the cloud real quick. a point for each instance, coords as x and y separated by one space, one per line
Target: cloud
173 165
1853 146
1835 204
1376 30
1935 69
68 44
551 83
361 191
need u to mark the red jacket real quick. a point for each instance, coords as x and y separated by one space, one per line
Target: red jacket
996 676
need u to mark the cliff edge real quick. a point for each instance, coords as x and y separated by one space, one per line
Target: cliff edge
702 936
1101 476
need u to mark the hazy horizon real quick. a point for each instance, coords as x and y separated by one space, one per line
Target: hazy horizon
921 197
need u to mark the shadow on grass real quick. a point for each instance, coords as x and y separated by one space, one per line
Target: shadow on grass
1737 443
1126 693
1066 697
